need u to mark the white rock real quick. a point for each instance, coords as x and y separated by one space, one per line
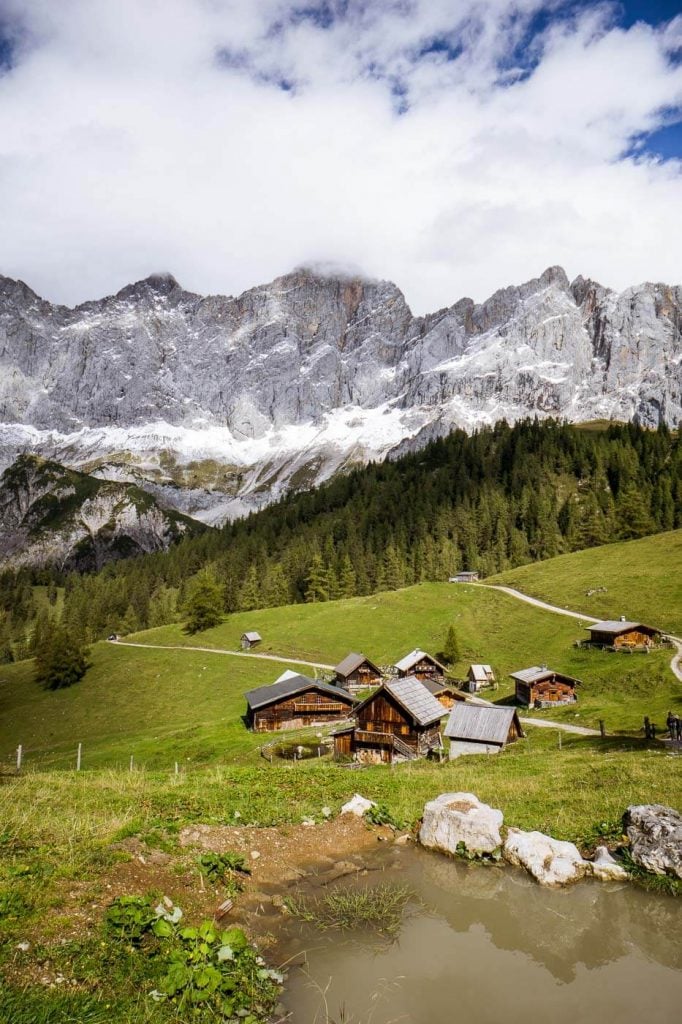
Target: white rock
358 806
24 946
655 834
605 868
454 818
255 854
549 861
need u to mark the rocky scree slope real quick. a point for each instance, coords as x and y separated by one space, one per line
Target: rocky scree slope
50 515
218 405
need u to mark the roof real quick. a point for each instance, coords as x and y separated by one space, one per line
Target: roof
261 696
481 723
287 674
406 663
435 686
618 626
481 672
353 661
252 636
537 673
413 697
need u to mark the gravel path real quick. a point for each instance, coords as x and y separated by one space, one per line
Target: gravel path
219 650
538 604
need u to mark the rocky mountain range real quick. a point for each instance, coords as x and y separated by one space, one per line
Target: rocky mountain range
57 516
217 405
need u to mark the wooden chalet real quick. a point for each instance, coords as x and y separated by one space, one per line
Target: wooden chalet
465 577
398 722
479 676
481 728
250 639
420 664
356 672
619 634
543 687
295 701
445 692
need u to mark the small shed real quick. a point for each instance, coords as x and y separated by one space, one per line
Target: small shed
420 664
357 672
465 577
398 722
446 693
541 687
480 676
295 701
481 728
620 634
250 639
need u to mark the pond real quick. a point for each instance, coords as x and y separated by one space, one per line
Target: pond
485 945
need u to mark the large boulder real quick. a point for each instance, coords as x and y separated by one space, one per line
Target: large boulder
655 834
357 805
549 861
460 818
605 868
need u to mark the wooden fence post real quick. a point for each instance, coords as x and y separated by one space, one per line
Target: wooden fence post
20 751
602 728
559 739
132 761
647 727
78 757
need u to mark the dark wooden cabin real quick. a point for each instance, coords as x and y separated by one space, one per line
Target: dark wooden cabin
420 664
481 728
294 702
398 722
543 687
445 692
356 672
250 639
620 634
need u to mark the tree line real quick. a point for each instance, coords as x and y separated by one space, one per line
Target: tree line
489 501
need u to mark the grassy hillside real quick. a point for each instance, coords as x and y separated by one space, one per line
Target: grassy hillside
163 706
642 580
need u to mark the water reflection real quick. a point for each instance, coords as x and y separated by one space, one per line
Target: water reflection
488 945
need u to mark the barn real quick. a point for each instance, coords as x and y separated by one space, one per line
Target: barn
295 701
481 729
479 676
356 672
619 634
465 577
398 722
420 664
542 687
250 639
444 692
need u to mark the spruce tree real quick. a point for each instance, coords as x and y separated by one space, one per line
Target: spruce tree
204 604
61 660
316 581
451 647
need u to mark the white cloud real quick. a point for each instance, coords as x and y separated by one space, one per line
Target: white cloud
446 144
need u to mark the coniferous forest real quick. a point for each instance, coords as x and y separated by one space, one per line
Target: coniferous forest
488 501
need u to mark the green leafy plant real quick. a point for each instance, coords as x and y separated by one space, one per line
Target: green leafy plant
129 918
379 814
218 866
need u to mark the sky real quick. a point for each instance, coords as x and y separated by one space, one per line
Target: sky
451 146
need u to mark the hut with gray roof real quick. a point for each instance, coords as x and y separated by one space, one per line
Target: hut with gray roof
481 728
295 701
250 639
621 634
420 664
542 687
357 672
398 722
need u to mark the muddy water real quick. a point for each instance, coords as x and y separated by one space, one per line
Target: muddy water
484 945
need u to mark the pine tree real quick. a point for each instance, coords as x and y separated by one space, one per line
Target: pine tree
451 647
316 581
204 605
61 660
347 579
250 596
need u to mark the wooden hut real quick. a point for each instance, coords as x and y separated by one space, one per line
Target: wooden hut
619 634
481 728
356 672
295 701
479 676
398 722
465 577
543 687
250 639
420 664
446 693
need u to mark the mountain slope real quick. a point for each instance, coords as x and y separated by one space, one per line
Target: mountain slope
50 515
221 404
